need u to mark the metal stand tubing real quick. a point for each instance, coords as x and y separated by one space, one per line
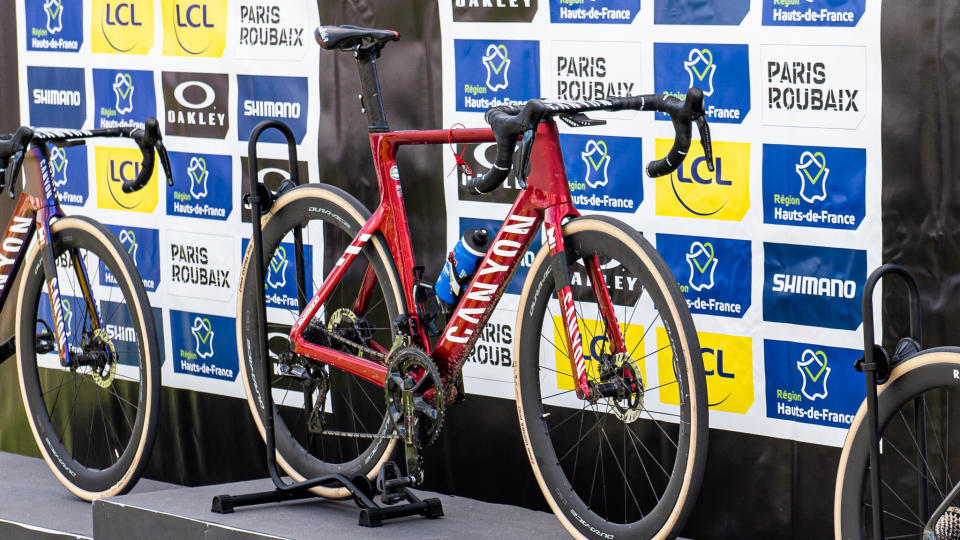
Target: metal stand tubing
371 515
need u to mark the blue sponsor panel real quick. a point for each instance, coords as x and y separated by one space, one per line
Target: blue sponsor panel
714 273
813 384
57 97
280 282
594 11
262 98
122 97
489 73
143 247
202 186
814 186
812 12
119 326
705 12
492 226
602 171
53 25
204 345
68 164
812 285
721 71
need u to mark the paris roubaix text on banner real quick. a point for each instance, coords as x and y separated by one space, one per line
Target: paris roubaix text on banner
770 250
208 70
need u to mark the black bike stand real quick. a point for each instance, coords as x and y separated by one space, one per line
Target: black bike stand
392 487
876 365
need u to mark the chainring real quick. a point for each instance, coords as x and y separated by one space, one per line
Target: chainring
411 374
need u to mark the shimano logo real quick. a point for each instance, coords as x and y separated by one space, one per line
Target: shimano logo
70 98
813 286
276 109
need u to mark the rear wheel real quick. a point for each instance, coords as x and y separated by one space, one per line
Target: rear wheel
328 421
626 466
915 408
94 422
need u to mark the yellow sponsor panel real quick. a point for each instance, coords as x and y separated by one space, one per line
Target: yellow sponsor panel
121 26
595 343
728 364
693 191
194 27
116 165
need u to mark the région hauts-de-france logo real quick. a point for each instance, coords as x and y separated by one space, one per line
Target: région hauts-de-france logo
128 238
700 67
813 187
58 163
703 263
277 273
815 372
597 159
54 12
123 91
198 177
497 64
202 332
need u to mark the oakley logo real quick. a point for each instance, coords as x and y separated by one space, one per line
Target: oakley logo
209 94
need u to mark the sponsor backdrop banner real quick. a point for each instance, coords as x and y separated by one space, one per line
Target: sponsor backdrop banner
209 70
772 249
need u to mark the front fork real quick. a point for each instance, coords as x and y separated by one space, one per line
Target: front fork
48 260
553 220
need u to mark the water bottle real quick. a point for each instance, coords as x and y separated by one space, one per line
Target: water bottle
461 264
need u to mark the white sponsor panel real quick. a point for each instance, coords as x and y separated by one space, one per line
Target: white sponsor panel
489 367
589 70
814 86
272 29
203 266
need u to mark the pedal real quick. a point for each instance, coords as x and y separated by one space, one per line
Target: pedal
391 485
45 343
580 120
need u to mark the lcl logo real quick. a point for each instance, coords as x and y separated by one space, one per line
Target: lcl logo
194 27
121 14
122 27
187 16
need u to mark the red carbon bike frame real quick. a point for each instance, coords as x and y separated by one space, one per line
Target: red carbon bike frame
546 200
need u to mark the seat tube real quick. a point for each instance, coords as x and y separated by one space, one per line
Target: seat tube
561 275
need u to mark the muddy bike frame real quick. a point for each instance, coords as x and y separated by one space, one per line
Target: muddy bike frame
30 211
546 200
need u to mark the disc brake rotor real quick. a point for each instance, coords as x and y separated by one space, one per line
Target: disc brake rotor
103 375
629 407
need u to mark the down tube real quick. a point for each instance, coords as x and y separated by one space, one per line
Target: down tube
489 283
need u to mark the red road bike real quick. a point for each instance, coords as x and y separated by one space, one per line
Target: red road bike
609 380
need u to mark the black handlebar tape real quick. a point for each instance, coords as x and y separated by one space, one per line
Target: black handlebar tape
146 139
507 123
681 114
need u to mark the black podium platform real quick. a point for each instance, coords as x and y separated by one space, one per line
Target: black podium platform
33 505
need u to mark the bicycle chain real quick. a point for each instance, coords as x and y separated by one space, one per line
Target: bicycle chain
380 357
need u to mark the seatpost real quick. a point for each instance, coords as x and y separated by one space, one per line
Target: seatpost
370 100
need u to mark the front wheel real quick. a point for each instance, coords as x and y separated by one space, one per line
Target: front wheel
917 468
94 421
614 467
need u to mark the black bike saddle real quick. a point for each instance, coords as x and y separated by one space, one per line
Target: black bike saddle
346 36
